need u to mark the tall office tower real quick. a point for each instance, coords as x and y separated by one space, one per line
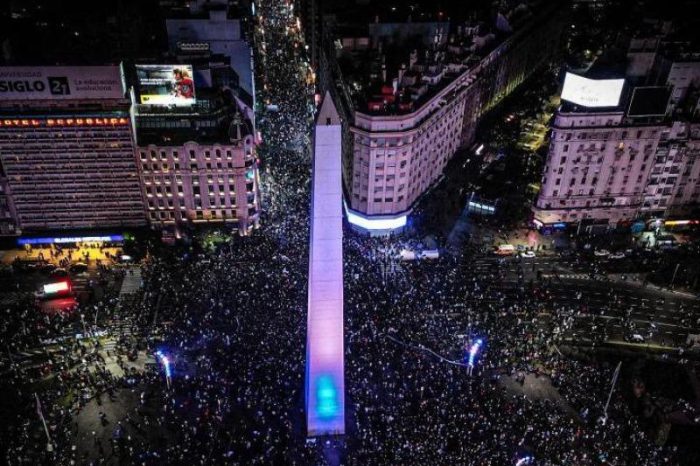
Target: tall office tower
325 380
66 150
413 91
196 149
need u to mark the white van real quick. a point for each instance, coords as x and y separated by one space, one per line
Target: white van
407 255
505 250
430 254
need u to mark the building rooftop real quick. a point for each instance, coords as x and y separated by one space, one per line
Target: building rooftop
403 63
214 118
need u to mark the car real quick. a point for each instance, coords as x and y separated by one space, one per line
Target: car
430 254
59 273
529 254
505 250
601 252
634 338
47 268
617 255
78 267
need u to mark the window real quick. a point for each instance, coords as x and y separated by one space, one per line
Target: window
566 148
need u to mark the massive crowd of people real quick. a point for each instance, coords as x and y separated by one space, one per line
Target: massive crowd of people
232 324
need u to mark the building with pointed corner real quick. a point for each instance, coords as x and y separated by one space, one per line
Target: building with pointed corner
413 92
325 380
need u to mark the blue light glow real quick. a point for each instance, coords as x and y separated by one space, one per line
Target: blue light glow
473 350
165 362
374 223
69 239
327 397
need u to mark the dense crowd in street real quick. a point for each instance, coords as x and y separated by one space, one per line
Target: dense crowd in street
416 404
232 324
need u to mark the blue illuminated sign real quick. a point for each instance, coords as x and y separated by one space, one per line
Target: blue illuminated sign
70 239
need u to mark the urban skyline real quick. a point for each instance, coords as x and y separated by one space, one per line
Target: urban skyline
350 232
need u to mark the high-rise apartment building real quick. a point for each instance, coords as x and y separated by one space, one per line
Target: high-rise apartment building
66 150
420 106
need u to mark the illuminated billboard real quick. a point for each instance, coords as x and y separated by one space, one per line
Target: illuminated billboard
70 239
165 84
592 92
60 82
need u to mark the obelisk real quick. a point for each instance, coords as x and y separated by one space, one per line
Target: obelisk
325 378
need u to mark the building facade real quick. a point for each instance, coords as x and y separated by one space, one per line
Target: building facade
66 151
603 170
639 160
397 156
597 167
222 28
197 165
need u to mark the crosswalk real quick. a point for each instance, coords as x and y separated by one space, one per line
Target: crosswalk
132 281
569 276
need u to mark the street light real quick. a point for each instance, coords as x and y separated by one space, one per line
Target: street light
616 374
166 366
673 279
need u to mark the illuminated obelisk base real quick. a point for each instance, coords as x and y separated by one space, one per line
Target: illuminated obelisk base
325 378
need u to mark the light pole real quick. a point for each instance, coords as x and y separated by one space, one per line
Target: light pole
82 319
49 444
166 366
673 279
616 374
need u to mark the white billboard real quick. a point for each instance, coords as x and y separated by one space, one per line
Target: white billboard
165 84
60 82
592 92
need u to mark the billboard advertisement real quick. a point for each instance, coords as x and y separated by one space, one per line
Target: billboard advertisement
165 84
60 82
592 92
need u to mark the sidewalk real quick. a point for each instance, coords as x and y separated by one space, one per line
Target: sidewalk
73 254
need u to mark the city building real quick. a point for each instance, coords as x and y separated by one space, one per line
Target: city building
309 12
414 92
66 150
623 152
196 152
221 27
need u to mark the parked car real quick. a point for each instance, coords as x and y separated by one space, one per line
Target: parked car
78 267
59 273
48 268
505 250
634 338
430 254
601 253
617 255
529 254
